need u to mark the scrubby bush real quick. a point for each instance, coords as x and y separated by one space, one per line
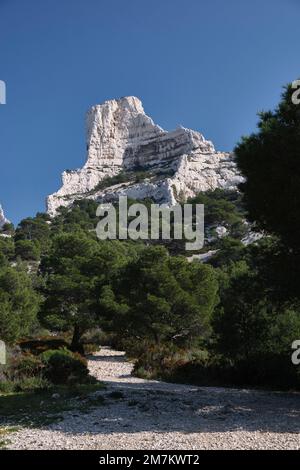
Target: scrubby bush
262 370
64 367
28 372
24 372
30 384
165 360
25 365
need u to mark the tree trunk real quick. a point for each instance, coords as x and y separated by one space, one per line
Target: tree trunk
76 346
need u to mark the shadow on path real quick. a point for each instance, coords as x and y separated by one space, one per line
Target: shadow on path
160 407
133 405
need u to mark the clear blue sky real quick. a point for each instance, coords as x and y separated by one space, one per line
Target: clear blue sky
206 64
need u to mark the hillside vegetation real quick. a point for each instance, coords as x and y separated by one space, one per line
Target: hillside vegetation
231 320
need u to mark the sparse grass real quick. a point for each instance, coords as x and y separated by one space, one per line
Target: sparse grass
26 384
4 432
39 408
135 176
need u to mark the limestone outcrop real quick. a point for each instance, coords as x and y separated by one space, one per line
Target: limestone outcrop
128 154
3 219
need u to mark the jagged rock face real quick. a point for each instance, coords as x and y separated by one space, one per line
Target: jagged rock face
122 138
3 219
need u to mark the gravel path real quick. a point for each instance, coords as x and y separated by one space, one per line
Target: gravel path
139 414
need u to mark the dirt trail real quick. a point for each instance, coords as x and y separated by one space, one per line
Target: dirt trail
140 414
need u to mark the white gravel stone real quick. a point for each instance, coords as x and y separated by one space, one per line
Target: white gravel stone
155 415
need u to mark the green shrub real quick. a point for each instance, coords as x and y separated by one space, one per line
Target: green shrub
24 372
64 367
270 370
163 362
141 372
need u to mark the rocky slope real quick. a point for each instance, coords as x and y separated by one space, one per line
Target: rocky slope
123 140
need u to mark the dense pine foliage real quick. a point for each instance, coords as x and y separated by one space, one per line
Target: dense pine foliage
231 320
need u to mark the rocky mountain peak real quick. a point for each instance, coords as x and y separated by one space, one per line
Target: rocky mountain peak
121 138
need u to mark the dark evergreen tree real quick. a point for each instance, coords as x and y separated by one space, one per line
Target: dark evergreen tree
162 299
19 304
75 270
269 160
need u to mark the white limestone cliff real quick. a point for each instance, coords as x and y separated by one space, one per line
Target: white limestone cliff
3 219
121 138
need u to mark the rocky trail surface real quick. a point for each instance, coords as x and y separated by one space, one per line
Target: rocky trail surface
140 414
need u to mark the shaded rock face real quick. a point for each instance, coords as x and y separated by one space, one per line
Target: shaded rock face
122 138
3 219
